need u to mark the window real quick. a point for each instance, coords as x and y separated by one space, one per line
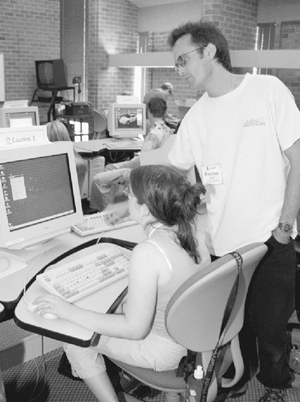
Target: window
264 41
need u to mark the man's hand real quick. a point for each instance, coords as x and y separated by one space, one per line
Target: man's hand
280 236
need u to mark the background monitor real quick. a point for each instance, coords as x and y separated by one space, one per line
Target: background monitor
19 116
51 74
126 120
39 193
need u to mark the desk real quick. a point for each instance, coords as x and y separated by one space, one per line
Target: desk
11 286
112 144
99 301
112 149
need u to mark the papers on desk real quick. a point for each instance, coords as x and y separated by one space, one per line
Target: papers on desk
124 143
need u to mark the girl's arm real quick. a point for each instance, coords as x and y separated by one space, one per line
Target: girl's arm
146 265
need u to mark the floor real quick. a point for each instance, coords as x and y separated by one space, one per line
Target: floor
39 381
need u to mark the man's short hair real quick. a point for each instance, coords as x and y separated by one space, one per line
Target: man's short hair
157 107
202 33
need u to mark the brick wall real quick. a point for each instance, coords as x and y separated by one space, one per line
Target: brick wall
29 30
112 29
236 19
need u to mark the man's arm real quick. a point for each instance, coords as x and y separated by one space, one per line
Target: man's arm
291 203
158 156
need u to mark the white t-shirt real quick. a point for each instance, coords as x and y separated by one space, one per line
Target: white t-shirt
245 132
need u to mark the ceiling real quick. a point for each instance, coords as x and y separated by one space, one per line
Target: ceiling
150 3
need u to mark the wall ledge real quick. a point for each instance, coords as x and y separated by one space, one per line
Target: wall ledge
286 58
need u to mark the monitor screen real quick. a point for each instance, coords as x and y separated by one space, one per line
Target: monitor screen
19 116
45 72
39 194
51 74
127 120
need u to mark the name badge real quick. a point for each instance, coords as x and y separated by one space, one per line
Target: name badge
212 174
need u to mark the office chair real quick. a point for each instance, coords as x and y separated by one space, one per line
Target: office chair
100 123
193 319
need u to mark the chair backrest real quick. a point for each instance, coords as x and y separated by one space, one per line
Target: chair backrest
195 312
100 121
81 168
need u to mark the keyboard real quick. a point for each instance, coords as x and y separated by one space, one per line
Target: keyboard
101 222
79 278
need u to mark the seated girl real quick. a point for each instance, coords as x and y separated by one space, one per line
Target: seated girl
165 204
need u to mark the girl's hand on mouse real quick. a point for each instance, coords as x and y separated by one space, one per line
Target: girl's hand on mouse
54 305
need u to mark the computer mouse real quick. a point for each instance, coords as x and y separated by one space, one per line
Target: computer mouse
49 316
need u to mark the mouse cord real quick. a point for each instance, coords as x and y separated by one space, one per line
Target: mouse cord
26 275
41 373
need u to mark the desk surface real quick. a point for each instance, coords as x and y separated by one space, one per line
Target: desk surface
112 144
62 330
99 301
11 286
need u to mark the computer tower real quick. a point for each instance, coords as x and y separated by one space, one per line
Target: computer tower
95 165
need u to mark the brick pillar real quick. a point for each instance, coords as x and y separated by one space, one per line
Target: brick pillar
237 19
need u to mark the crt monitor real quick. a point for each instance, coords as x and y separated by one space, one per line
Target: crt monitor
51 74
19 116
126 120
39 193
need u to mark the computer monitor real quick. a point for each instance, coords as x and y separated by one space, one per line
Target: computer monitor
19 116
39 193
126 120
51 74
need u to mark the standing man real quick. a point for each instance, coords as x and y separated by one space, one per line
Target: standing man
243 136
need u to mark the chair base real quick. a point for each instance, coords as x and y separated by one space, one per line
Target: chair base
173 397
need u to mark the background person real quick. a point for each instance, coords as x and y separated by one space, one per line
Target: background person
164 92
57 131
106 184
165 204
245 129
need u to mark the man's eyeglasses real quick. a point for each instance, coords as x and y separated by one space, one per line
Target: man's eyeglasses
181 60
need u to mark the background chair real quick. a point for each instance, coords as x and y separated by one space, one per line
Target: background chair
194 316
100 124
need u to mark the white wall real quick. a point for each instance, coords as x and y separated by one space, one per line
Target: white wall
278 10
168 16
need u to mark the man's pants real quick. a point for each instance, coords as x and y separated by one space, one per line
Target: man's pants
271 304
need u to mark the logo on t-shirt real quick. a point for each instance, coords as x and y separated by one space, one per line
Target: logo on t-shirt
259 121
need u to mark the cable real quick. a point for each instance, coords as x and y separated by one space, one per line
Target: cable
29 269
41 373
